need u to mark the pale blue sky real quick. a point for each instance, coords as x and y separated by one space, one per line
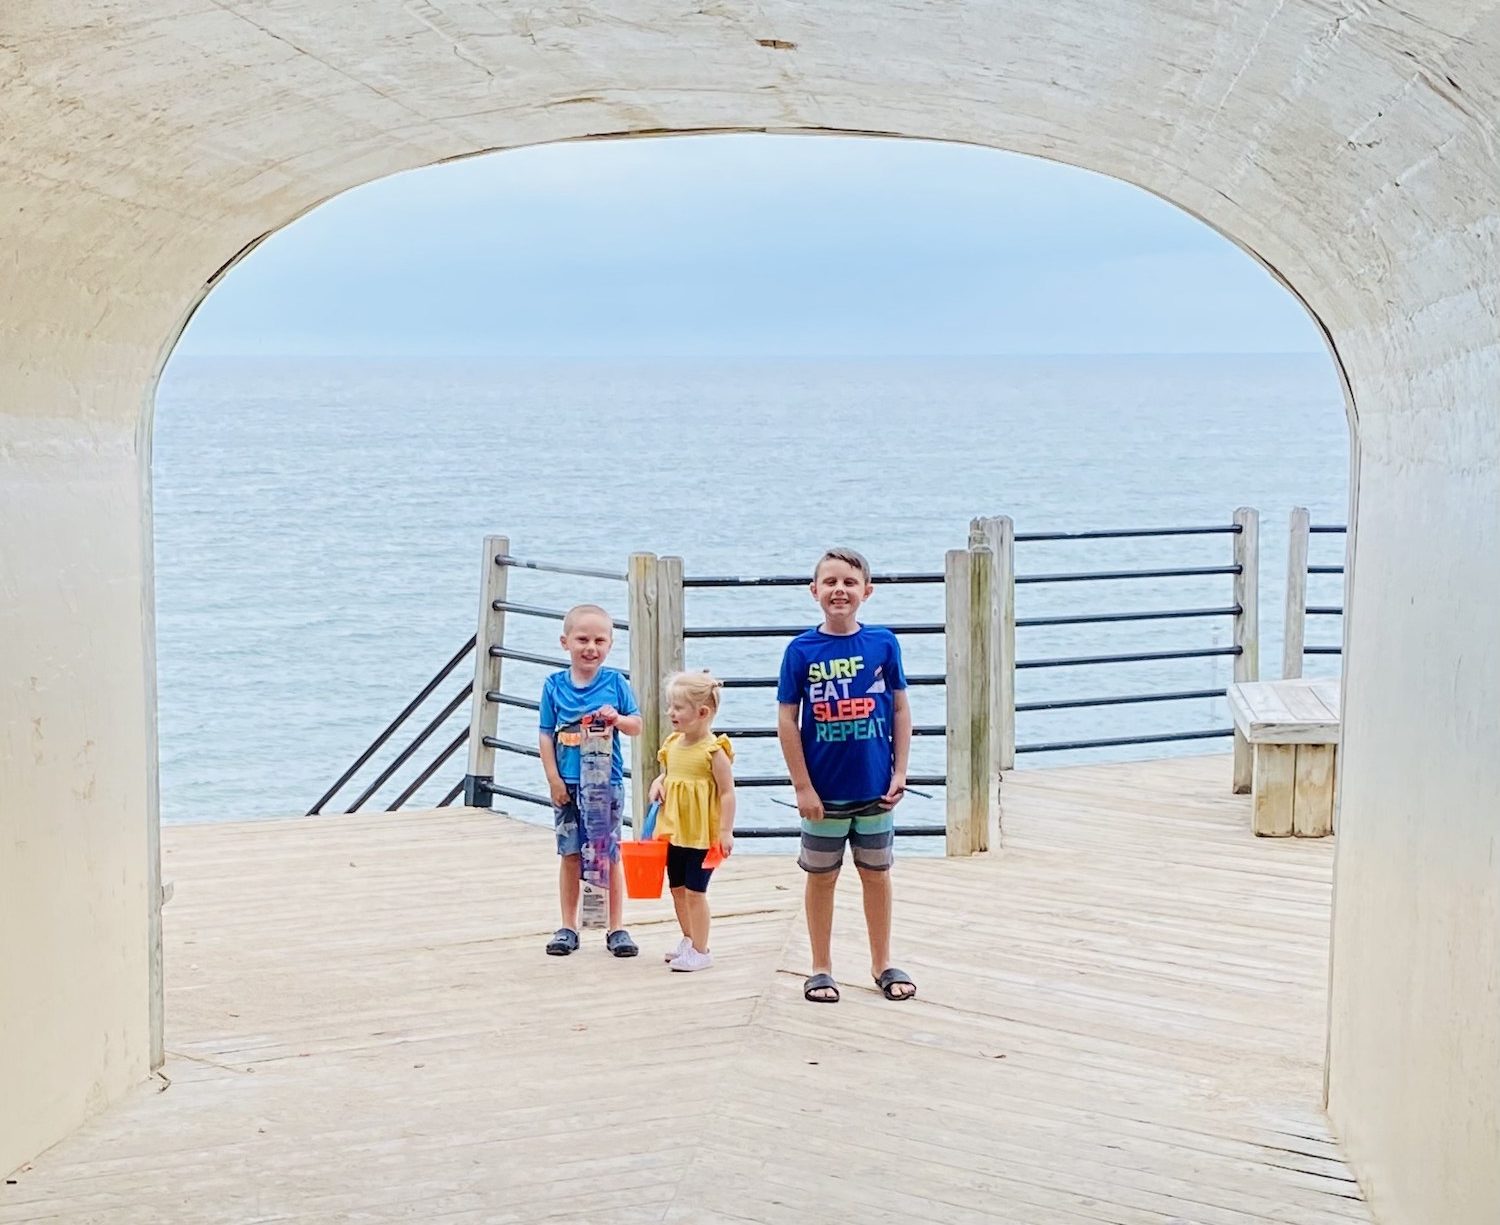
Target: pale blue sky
748 245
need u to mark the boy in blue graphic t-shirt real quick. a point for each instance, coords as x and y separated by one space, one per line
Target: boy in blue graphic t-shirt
585 687
845 731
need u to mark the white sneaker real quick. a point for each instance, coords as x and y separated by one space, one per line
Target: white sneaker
678 949
691 960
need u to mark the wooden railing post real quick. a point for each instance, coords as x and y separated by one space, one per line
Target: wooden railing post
484 715
1294 627
1246 627
970 664
670 645
645 678
999 534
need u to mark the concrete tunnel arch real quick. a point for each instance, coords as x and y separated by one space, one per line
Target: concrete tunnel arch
1350 152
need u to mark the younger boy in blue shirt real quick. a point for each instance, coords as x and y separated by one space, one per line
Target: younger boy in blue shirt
845 731
585 687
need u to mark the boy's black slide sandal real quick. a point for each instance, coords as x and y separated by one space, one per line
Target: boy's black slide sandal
564 941
820 982
889 978
620 944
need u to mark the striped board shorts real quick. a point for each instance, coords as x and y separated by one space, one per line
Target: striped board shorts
869 829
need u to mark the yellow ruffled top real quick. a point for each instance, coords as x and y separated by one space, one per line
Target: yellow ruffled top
690 799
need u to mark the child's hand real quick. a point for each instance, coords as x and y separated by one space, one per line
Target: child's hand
894 792
559 791
609 714
657 789
726 843
809 804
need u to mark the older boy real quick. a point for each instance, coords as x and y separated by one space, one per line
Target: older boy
585 687
845 731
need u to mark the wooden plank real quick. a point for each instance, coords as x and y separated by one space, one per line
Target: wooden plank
984 774
645 678
1312 802
1281 712
1246 554
1275 775
484 715
958 645
998 533
1294 622
670 645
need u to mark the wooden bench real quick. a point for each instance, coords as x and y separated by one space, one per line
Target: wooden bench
1292 727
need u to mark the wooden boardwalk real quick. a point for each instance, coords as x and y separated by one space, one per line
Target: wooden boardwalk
1120 1020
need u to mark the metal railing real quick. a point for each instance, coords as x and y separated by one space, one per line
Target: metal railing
979 648
408 713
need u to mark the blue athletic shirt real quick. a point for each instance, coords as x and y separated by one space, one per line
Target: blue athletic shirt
563 706
845 686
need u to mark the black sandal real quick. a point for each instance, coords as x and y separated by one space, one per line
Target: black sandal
620 944
564 941
889 978
820 982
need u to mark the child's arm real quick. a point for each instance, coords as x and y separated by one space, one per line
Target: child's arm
555 784
724 781
629 725
901 749
790 736
658 786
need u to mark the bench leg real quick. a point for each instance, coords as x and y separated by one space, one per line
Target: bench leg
1312 800
1275 780
1244 754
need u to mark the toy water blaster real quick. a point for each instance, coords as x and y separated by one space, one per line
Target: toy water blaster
595 813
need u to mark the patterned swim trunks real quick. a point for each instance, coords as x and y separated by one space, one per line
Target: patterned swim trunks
867 827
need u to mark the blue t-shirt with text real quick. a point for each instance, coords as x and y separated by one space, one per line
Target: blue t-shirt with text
563 706
845 686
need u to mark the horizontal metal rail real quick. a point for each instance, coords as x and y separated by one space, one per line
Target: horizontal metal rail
549 614
523 750
770 682
1328 529
1324 610
795 831
513 746
1113 742
547 567
1127 533
770 733
790 831
781 780
1125 699
507 699
1322 650
1130 657
1099 576
427 691
1162 614
404 756
436 764
1325 569
515 793
791 631
530 657
802 580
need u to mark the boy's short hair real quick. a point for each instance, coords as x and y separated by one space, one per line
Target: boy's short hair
581 610
849 557
699 688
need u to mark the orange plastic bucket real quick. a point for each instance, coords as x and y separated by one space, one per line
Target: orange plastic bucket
645 864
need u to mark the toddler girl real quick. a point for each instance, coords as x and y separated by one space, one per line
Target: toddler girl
696 790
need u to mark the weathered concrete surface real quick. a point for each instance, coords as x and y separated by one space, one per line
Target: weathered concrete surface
1350 145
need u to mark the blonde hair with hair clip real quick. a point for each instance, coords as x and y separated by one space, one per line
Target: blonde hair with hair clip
700 688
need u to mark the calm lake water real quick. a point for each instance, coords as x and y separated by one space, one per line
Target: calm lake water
318 528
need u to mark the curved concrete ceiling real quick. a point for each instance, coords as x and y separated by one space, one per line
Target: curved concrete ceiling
1348 146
